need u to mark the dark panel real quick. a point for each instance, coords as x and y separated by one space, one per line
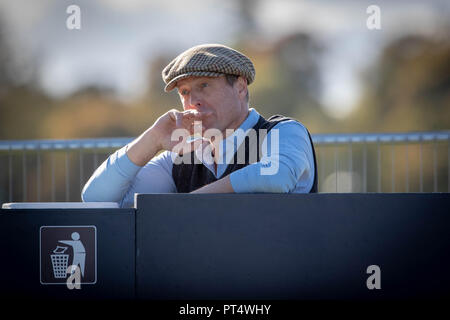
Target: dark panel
292 246
111 274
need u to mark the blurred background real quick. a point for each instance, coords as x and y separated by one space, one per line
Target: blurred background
315 60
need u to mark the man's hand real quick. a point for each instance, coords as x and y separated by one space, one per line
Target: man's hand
158 136
173 120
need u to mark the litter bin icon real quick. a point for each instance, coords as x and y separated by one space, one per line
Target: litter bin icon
60 262
63 249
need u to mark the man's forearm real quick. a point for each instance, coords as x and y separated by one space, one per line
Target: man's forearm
143 148
220 186
111 179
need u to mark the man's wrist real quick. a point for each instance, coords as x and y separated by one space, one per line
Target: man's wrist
220 186
144 148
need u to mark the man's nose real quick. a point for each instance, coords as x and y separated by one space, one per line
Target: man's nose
193 102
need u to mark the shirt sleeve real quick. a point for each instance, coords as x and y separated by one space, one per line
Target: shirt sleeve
118 179
287 163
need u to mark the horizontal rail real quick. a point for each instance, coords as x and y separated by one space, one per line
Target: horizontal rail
390 138
74 144
320 139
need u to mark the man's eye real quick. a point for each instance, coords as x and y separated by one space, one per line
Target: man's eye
184 92
204 85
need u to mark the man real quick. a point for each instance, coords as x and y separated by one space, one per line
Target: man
244 152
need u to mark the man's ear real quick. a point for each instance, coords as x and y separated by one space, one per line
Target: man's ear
241 84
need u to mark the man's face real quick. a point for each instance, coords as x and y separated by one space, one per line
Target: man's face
226 105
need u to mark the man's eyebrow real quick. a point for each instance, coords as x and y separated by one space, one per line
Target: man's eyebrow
194 83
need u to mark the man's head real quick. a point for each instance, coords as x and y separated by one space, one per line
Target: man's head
212 78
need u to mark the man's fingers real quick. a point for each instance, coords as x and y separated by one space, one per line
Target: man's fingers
176 116
203 115
179 119
197 115
190 113
189 119
172 115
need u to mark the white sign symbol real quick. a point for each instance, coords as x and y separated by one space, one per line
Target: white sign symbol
79 252
68 252
59 262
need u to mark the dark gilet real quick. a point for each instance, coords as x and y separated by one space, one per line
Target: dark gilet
189 177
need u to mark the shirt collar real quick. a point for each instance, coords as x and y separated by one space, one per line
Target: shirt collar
251 120
236 138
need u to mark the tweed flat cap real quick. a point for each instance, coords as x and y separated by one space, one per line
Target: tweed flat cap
207 60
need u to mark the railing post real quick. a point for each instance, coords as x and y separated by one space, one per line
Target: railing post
53 174
420 166
336 167
24 176
95 160
81 169
406 168
10 184
365 166
38 174
350 164
67 175
435 177
322 165
392 168
378 166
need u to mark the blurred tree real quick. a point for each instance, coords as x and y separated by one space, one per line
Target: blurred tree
156 100
5 57
96 112
288 80
408 88
247 18
22 104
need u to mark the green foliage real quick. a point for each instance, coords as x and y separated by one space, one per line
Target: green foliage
406 89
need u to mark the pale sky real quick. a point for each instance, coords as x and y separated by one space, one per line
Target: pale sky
118 38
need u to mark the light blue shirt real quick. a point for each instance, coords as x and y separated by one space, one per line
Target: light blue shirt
291 169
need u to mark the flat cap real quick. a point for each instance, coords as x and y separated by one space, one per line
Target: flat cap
207 60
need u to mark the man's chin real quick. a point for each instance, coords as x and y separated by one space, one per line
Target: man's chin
209 126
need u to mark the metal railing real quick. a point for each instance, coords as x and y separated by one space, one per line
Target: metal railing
50 170
425 156
56 170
